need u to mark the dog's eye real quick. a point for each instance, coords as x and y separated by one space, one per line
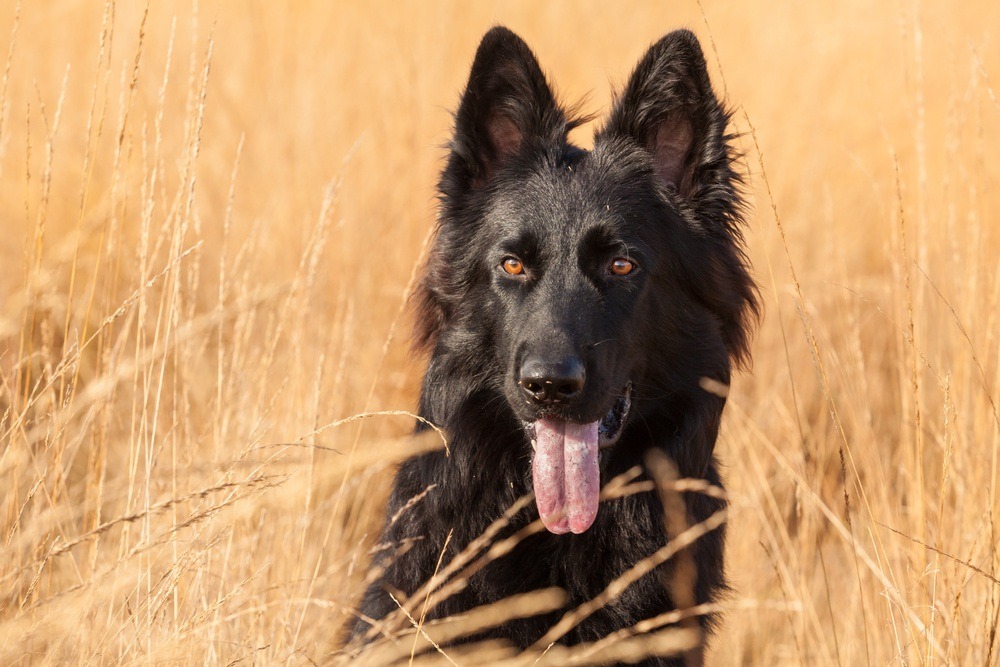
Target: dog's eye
621 266
513 266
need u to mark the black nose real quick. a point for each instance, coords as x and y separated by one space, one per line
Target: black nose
544 381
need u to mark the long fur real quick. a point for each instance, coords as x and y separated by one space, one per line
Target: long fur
660 186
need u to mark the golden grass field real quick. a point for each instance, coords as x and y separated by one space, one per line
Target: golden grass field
212 214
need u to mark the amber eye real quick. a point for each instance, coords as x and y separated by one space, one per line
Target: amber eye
621 267
513 266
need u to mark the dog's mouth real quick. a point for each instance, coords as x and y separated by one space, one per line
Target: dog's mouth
609 429
565 467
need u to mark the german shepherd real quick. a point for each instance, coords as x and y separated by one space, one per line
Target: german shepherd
580 309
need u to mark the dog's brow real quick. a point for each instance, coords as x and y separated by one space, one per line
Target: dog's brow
601 236
525 243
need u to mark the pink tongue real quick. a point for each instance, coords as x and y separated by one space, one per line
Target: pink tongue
566 477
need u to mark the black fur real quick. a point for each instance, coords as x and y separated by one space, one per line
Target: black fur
659 188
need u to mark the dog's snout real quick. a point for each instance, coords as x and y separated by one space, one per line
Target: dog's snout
545 382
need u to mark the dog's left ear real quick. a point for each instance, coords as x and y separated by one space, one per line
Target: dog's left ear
669 108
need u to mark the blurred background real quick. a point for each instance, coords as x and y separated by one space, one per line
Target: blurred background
212 213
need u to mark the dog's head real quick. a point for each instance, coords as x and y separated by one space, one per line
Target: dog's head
583 284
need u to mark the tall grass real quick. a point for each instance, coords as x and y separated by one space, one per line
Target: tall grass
212 215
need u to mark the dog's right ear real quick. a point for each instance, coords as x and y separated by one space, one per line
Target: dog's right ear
506 106
507 109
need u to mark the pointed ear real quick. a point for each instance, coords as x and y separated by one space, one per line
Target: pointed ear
669 109
506 105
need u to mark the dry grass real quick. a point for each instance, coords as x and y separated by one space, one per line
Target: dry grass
211 216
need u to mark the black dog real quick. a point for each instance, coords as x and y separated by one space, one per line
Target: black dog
576 305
